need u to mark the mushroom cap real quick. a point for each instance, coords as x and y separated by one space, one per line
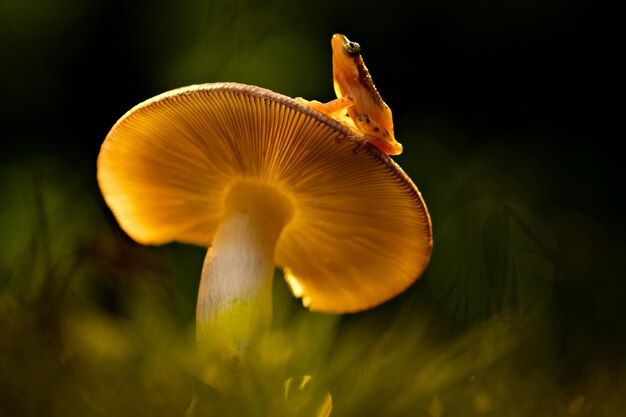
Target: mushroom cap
360 232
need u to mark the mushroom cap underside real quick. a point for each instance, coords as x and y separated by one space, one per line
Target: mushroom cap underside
360 231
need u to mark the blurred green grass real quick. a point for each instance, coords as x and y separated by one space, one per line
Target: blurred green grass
94 324
519 314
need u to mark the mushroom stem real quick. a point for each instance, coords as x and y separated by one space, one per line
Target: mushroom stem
235 294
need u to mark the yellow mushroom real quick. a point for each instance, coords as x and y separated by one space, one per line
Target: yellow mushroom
264 181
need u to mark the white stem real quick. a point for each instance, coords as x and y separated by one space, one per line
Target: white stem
235 294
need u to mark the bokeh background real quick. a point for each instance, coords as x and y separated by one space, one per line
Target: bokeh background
503 108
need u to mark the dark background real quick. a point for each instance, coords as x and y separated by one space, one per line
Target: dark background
504 110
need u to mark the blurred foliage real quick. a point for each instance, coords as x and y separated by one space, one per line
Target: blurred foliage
520 312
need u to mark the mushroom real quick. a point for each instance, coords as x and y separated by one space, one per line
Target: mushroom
264 181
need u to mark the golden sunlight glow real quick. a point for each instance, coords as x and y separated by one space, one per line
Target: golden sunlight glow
360 232
295 286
